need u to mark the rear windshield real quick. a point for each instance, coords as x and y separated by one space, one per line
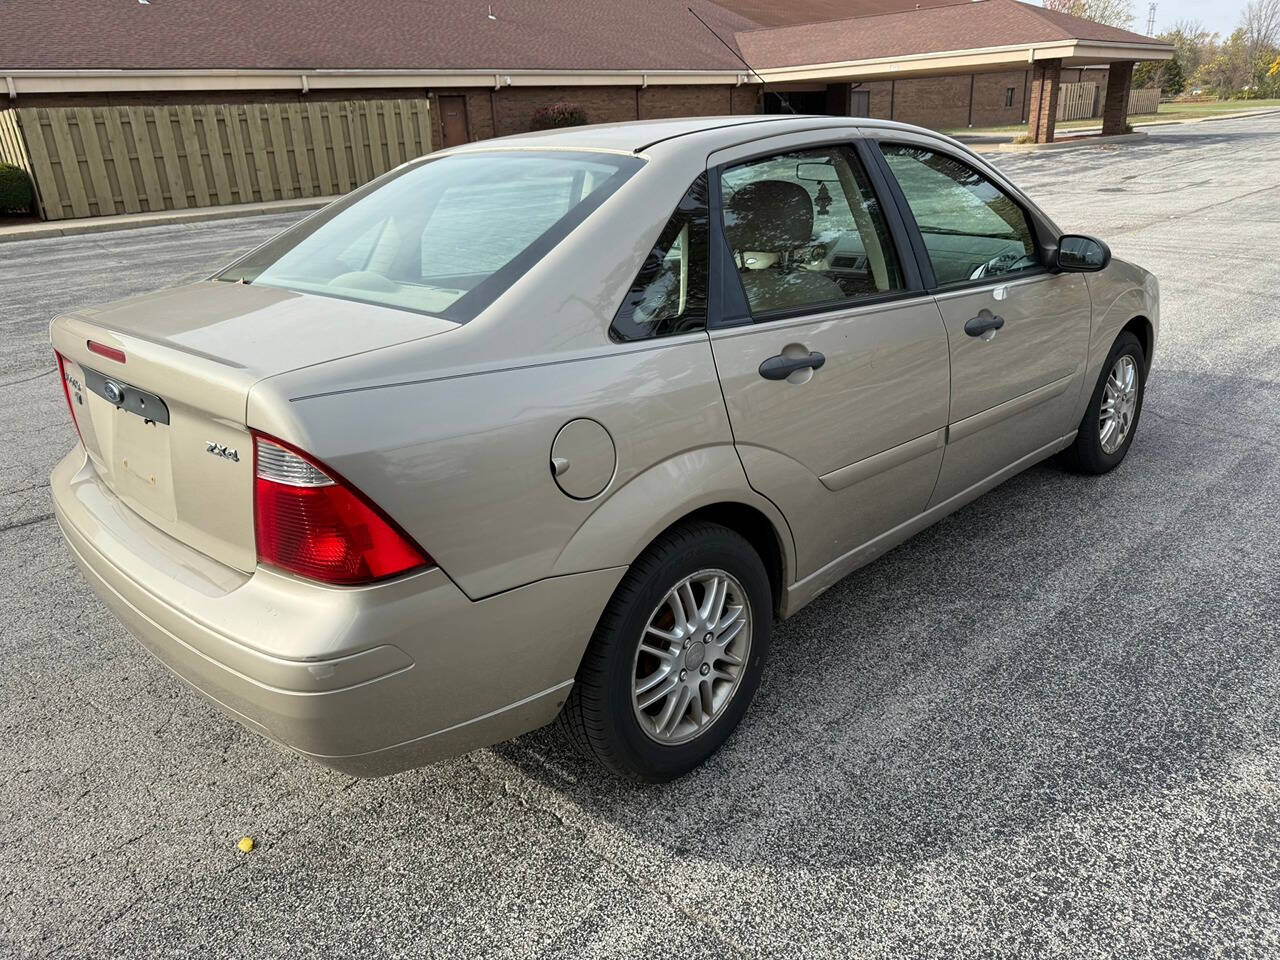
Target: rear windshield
444 237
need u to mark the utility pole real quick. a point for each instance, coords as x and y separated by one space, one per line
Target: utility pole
1151 20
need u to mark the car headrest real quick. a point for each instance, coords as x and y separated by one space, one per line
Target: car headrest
769 215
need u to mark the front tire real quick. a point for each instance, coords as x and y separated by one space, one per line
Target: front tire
676 657
1111 420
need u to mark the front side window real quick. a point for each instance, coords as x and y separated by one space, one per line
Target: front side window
971 228
806 230
669 294
444 237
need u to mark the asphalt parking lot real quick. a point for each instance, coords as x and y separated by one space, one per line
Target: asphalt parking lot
1049 726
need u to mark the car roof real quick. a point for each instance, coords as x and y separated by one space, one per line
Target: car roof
695 133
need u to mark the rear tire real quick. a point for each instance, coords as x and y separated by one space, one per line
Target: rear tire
1111 419
617 712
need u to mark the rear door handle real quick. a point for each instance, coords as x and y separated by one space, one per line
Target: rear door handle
984 322
781 367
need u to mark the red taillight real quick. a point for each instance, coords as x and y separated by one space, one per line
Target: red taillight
313 523
66 392
102 350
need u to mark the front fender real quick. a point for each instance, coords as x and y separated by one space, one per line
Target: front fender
1120 293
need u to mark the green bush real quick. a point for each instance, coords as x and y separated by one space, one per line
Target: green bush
558 115
15 190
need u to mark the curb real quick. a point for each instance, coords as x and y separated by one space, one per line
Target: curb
1087 140
976 141
135 221
1225 116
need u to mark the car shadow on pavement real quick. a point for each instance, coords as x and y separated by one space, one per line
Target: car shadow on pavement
1065 644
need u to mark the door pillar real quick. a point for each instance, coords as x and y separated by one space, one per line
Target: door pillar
1043 111
1115 112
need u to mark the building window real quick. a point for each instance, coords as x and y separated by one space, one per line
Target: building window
1008 97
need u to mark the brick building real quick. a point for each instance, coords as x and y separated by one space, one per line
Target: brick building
481 69
946 65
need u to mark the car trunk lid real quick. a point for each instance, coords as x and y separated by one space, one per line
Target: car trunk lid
165 429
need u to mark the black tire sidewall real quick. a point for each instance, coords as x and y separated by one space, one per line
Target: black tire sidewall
720 548
1089 450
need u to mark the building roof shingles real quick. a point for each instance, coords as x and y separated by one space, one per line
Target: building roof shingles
349 34
957 26
561 35
772 13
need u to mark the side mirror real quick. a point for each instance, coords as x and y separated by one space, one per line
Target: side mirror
1077 253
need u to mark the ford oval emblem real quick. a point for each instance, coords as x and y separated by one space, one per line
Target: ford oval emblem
113 392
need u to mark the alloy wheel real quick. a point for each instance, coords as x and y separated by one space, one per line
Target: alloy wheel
1119 404
691 657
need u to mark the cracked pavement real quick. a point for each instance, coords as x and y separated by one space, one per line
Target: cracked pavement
1046 727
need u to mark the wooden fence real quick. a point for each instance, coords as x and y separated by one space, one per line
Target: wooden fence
1144 101
95 161
1077 101
12 148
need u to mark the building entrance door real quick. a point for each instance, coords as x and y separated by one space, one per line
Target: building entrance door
453 117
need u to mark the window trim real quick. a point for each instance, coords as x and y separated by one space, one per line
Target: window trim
917 237
615 334
727 304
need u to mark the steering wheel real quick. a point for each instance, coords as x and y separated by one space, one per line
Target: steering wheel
1007 262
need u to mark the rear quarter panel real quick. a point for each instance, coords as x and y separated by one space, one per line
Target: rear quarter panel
463 463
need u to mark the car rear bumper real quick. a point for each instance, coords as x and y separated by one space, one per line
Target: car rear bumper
367 680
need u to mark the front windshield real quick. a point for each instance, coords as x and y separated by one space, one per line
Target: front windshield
444 237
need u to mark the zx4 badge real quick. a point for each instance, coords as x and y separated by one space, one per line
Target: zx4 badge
220 450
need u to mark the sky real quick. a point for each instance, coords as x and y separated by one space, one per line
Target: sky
1218 16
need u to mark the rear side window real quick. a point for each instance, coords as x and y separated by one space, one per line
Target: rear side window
444 237
971 228
669 294
806 231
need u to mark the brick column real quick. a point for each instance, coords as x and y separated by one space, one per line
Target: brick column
1115 112
1043 110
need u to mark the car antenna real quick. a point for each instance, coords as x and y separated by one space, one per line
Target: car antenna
764 87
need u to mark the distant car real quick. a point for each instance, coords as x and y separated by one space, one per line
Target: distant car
559 424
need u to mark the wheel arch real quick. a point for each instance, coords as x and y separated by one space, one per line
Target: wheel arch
1142 328
714 488
754 527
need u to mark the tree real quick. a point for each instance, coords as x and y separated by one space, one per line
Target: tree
1165 74
1192 44
1230 71
1172 80
1261 24
1117 13
1271 83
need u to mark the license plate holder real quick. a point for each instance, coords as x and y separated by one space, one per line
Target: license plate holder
127 397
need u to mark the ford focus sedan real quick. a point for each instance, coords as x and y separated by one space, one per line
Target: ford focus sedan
559 425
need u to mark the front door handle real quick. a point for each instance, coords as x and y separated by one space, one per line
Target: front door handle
781 366
985 322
